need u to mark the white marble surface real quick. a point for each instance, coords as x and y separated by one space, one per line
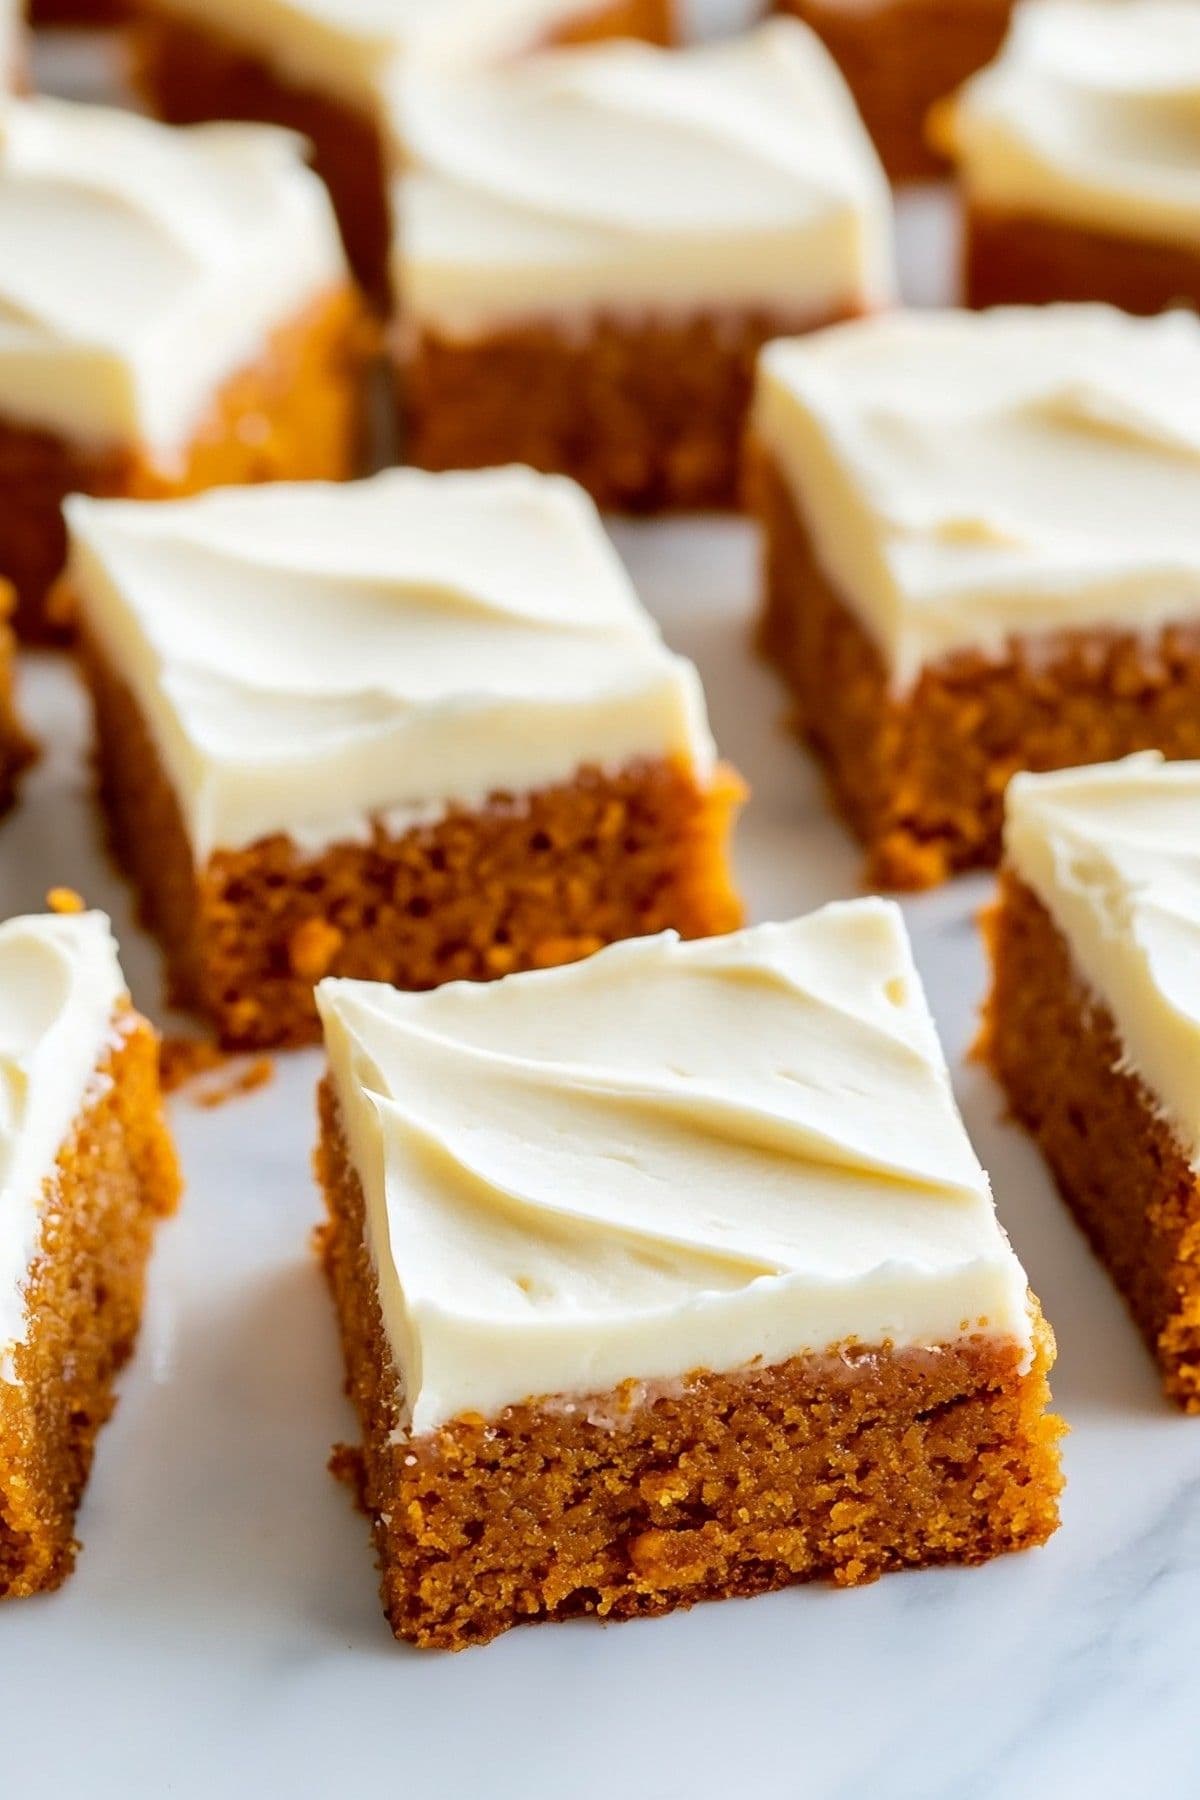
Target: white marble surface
222 1636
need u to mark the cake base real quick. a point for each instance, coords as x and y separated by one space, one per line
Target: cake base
1017 259
645 413
115 1176
921 776
1056 1052
525 882
81 13
187 74
297 414
637 1502
901 56
17 748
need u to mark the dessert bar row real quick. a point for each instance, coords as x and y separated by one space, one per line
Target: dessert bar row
669 1275
591 245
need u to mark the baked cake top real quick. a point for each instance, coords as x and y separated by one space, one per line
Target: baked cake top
144 265
731 174
1113 854
669 1157
1090 113
969 477
60 985
309 656
354 48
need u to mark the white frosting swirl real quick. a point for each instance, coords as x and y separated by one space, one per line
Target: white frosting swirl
968 478
311 656
60 985
1113 853
668 1157
144 265
1091 114
733 174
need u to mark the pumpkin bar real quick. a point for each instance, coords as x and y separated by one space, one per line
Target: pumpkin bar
1078 153
983 555
330 71
175 312
669 1277
899 57
86 1170
413 729
1093 1025
84 14
592 246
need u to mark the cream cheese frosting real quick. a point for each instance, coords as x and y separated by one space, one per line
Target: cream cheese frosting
968 478
671 1156
309 657
732 174
145 265
1090 114
60 985
1113 854
357 49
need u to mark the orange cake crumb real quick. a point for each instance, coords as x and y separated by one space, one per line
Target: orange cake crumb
1019 259
115 1176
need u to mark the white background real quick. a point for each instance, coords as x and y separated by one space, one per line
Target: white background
222 1636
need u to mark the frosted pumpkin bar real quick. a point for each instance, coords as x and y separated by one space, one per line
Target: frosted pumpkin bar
591 247
1078 152
983 555
672 1276
329 69
1093 1025
86 1169
175 313
413 728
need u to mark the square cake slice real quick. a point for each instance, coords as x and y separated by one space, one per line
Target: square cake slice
329 71
983 555
1093 1025
413 729
592 246
669 1277
86 1168
1078 153
899 57
175 313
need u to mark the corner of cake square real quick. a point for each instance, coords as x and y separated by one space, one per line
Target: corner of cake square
672 1276
1093 1024
87 1168
414 729
982 556
591 246
175 314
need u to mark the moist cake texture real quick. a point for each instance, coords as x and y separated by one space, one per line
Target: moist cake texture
174 313
983 548
1079 156
899 57
330 69
670 1276
86 1167
591 247
415 728
1093 1026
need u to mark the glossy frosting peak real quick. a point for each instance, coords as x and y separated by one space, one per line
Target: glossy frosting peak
144 265
1113 853
668 1157
60 985
1092 114
311 656
730 174
968 478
